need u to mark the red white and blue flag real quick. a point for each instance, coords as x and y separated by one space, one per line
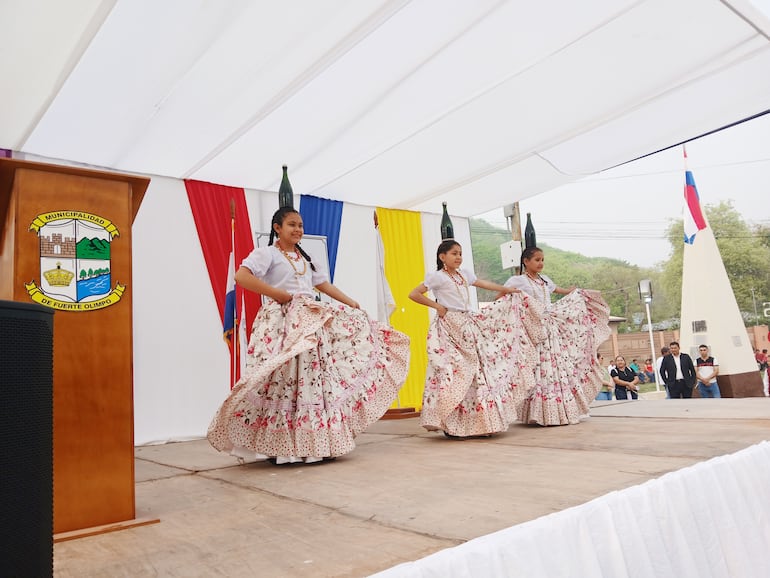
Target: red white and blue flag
229 315
694 220
223 247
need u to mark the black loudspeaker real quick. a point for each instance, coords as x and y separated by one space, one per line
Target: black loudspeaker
26 439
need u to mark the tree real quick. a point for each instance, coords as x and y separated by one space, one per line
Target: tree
762 232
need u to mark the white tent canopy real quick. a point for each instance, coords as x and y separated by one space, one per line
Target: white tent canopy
392 103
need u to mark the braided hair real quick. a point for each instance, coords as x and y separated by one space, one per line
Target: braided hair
527 254
278 218
443 249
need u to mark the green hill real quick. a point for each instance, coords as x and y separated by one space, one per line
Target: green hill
93 249
616 279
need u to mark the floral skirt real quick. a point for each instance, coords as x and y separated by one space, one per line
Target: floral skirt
316 375
480 367
567 375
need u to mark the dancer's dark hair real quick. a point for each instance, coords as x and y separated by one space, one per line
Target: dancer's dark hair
444 248
278 218
527 253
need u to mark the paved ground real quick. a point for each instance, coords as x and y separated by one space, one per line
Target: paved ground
402 494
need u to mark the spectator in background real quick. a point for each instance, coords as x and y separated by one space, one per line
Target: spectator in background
761 357
708 369
649 370
625 380
605 393
636 369
765 376
663 352
678 373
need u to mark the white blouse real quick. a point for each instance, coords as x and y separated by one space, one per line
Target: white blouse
447 291
540 291
271 266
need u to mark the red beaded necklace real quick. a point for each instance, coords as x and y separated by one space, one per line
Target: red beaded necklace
535 281
459 283
293 259
466 299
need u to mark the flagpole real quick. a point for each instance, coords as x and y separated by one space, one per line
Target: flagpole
236 337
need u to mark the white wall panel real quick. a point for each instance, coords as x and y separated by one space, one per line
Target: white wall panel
356 268
181 362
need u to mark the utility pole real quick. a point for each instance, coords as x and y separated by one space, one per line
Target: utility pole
645 294
513 216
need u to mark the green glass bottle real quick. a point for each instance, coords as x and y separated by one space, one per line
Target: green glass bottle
447 230
530 239
285 192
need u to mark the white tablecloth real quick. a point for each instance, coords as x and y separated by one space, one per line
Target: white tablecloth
708 520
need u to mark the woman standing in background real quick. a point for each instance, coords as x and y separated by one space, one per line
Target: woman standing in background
626 380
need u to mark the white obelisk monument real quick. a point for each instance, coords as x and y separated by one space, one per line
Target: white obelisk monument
710 313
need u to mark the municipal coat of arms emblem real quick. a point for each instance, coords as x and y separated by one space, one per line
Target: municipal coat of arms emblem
75 272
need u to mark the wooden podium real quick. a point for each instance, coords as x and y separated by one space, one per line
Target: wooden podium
65 242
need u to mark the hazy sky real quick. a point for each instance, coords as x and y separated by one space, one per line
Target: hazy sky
623 212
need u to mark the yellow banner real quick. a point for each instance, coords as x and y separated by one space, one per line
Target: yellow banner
405 269
45 218
38 296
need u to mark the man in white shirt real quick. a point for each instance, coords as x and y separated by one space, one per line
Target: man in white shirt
707 368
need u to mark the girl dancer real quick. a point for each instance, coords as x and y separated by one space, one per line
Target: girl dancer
567 376
479 364
317 374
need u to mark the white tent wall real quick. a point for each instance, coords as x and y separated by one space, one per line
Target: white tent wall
261 206
181 362
356 268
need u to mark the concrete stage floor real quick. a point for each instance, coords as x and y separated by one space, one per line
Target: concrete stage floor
401 495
